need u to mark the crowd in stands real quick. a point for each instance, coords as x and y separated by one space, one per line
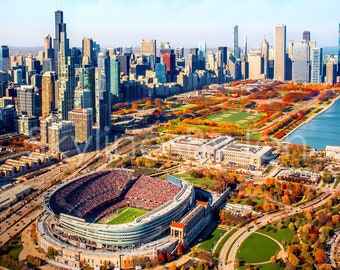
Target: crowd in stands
84 195
81 196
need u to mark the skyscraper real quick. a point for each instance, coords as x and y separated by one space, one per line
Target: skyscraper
103 95
280 53
114 79
236 49
60 27
82 120
306 36
245 45
148 48
202 51
5 63
26 100
87 81
265 57
300 65
48 98
48 50
316 65
66 75
87 52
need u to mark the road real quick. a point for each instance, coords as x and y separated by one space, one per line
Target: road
230 248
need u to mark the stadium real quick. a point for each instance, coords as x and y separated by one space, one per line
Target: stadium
79 215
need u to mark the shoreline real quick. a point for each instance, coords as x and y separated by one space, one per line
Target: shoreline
324 109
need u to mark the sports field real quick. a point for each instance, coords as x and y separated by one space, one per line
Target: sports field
126 215
241 118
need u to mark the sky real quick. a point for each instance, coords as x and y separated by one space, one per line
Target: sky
183 23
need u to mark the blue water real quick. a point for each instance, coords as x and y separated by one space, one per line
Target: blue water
323 130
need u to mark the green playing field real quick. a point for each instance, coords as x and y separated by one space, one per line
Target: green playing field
127 214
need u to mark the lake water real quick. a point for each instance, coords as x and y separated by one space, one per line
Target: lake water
323 130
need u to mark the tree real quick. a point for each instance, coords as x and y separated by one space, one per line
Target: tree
320 256
173 266
51 252
180 248
161 257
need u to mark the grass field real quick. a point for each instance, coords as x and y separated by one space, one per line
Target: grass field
243 119
183 107
283 234
195 181
222 242
257 248
209 243
127 214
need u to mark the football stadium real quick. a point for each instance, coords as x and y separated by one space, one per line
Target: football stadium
113 214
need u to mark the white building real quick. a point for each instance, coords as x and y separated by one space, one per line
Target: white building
333 152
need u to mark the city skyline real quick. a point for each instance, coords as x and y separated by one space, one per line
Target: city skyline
182 23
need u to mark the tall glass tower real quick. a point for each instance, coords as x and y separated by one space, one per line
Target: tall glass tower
301 62
236 49
60 27
103 95
280 53
316 65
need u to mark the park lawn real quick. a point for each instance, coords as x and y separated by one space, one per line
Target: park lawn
234 116
253 136
284 233
257 248
210 241
226 236
127 214
195 181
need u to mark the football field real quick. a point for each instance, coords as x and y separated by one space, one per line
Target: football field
127 214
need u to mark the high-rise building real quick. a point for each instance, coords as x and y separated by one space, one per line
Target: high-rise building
306 35
255 67
223 56
27 125
316 65
265 58
202 52
245 45
60 27
82 120
87 81
26 100
114 79
165 48
179 52
236 48
82 98
87 52
124 64
103 95
5 63
61 136
18 77
67 82
280 53
160 72
169 59
300 65
48 93
148 47
331 71
48 50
